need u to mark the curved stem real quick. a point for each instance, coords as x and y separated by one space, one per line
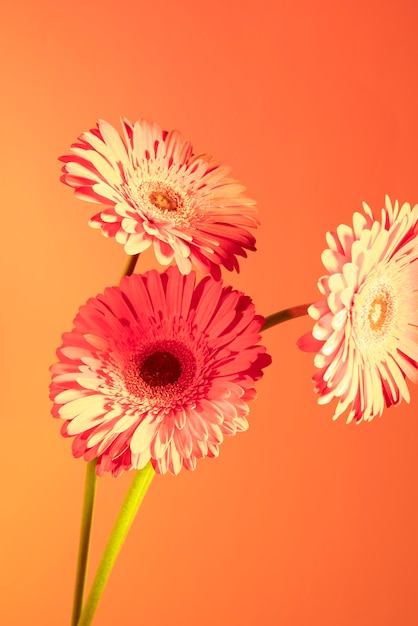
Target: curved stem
122 525
286 314
87 511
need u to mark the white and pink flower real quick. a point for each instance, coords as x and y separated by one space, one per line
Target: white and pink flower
158 193
366 330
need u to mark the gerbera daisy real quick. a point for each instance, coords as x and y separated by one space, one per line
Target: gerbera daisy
157 369
366 331
159 193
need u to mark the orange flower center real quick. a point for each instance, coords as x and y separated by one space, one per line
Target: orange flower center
160 369
167 200
378 311
374 314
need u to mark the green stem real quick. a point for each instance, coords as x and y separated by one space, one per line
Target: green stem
130 506
87 512
83 548
286 314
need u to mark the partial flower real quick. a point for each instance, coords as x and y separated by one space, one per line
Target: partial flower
159 369
366 330
158 193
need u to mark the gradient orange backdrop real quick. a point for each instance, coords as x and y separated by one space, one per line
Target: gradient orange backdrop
301 520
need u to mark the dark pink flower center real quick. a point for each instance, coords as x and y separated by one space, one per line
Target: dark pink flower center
160 369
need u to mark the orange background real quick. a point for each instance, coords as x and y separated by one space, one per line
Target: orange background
301 520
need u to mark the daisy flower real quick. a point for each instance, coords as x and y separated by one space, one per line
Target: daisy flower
158 193
366 330
159 369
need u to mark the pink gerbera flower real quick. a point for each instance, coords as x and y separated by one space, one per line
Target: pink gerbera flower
157 369
159 193
366 331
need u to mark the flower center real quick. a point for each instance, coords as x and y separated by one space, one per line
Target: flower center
378 311
374 314
166 199
155 199
160 369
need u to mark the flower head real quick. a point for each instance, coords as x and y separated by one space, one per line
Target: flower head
366 330
159 193
157 369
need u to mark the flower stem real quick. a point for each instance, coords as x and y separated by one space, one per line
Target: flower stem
130 506
83 548
130 265
286 314
87 512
